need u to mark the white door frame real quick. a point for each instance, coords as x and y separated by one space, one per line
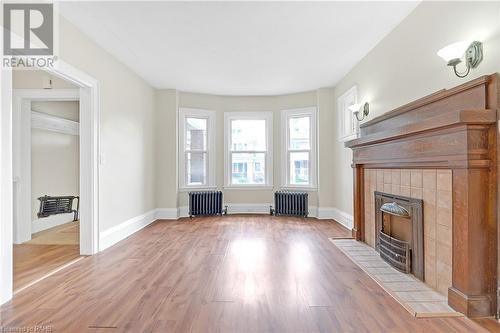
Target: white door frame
89 166
21 149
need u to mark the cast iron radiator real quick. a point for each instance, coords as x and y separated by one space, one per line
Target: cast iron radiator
206 203
58 205
290 203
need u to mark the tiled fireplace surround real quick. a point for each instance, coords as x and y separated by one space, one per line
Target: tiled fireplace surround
434 187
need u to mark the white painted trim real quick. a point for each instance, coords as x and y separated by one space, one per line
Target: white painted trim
249 187
343 102
313 151
111 236
268 117
211 152
299 188
89 167
258 208
336 214
52 123
21 139
6 184
183 211
197 188
50 222
167 213
89 152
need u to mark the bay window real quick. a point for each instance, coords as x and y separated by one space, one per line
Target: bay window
248 149
299 135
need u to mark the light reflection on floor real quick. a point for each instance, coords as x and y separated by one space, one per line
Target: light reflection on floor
252 266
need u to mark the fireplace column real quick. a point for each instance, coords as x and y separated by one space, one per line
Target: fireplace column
474 242
358 232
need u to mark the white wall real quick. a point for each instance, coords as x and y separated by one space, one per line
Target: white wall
69 110
127 143
166 139
33 79
54 158
404 67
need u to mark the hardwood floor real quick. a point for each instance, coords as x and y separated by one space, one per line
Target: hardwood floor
47 251
33 261
221 274
65 234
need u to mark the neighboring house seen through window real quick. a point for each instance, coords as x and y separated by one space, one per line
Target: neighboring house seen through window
299 147
248 156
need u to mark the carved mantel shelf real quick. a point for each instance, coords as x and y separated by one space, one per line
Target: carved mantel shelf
454 129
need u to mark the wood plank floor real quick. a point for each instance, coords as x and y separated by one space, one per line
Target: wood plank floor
221 274
33 261
45 252
64 234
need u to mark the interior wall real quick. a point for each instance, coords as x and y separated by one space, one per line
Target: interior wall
404 66
167 104
33 79
326 160
54 156
127 145
69 110
166 148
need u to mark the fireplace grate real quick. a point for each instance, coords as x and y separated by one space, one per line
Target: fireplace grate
396 252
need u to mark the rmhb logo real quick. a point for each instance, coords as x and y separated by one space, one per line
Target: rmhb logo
28 29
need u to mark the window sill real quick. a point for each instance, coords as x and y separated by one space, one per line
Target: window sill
197 188
299 188
249 187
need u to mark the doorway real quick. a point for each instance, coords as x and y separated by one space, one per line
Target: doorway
46 149
87 91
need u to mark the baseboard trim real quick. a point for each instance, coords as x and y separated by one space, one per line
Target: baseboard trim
258 208
113 235
167 213
336 214
50 222
473 306
183 211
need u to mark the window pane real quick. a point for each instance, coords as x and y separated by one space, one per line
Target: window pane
247 168
196 134
299 129
196 168
299 168
248 134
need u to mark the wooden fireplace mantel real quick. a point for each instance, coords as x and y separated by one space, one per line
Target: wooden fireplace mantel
451 129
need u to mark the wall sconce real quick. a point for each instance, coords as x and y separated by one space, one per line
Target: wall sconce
453 54
358 108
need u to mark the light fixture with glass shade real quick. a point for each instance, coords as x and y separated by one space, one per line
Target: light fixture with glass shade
472 52
358 108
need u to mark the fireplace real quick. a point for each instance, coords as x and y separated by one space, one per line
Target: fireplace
455 130
399 232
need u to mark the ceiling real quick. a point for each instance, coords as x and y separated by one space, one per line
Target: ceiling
238 48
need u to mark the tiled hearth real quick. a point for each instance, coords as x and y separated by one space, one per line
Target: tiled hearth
435 188
414 295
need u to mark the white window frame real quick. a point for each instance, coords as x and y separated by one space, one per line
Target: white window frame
313 151
210 151
269 169
347 99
